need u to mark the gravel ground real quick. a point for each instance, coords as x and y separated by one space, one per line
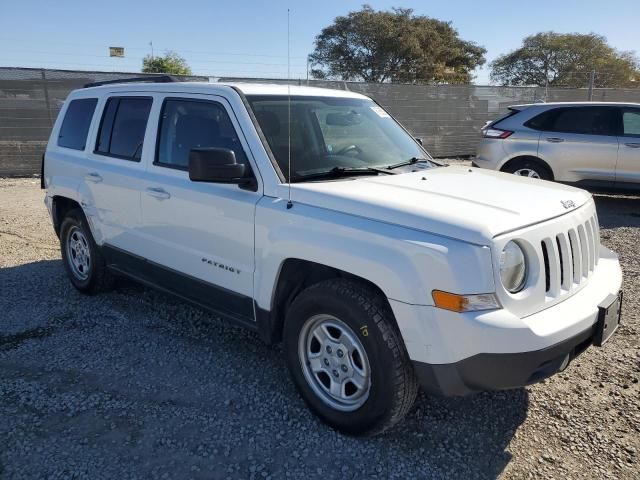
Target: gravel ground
132 384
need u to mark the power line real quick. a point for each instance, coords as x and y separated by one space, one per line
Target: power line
235 62
146 49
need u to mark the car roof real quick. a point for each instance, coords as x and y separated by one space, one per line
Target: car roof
212 87
571 104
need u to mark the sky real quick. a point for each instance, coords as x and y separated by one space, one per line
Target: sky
249 38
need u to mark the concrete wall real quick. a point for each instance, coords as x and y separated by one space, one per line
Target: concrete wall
447 117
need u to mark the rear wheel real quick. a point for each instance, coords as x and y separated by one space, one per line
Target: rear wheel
347 358
81 256
529 167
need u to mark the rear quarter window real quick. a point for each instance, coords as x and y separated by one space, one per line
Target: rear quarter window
75 125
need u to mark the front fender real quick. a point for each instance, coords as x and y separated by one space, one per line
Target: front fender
406 264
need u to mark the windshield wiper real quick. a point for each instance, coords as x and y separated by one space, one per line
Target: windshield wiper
338 172
411 161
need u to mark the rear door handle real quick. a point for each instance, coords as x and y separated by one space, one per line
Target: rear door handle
555 140
633 145
159 193
93 177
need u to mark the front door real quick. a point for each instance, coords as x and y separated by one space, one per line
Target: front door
628 170
201 233
580 144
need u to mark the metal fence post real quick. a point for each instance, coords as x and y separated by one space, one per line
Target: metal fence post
592 79
46 96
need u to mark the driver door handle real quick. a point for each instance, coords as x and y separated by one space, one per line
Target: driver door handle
555 139
633 145
93 177
159 193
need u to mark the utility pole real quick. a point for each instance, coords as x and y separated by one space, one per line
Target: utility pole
592 81
151 45
307 69
546 89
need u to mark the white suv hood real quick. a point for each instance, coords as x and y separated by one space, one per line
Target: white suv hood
469 204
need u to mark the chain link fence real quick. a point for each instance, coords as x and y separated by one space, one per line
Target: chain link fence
447 117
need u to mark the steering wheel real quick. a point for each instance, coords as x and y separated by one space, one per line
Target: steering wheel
348 149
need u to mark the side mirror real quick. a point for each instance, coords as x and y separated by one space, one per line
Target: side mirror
215 165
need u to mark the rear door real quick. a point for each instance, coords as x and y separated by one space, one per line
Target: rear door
628 169
114 171
580 144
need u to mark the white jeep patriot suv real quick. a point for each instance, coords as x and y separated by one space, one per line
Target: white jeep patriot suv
312 217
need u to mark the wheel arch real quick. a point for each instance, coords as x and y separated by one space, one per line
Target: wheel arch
60 206
532 158
293 277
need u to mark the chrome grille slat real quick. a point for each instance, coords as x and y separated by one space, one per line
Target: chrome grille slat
554 267
570 257
596 231
577 256
584 249
567 261
592 245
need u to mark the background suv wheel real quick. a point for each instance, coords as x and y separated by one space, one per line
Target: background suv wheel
529 167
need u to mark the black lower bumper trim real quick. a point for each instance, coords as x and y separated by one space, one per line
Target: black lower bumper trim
500 371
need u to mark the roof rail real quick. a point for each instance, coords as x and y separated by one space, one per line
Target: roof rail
154 79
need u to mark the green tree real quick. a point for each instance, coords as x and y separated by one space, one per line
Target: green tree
566 59
393 46
171 63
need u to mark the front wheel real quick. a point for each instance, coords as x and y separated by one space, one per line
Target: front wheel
347 357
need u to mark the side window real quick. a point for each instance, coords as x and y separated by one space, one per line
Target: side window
631 122
122 128
584 120
187 124
75 126
542 121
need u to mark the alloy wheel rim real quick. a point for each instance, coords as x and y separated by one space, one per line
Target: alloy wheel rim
78 253
527 172
334 362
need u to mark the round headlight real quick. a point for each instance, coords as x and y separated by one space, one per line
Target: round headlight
513 267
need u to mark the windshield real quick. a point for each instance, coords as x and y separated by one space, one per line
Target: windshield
330 132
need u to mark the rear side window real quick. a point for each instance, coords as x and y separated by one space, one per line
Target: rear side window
187 124
631 122
75 126
582 120
122 128
511 113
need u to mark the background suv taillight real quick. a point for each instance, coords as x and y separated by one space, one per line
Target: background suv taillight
496 133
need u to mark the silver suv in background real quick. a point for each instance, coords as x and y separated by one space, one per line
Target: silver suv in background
590 144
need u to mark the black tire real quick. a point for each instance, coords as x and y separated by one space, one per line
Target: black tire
97 277
393 385
530 164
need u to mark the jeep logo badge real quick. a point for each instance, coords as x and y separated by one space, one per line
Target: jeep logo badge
568 203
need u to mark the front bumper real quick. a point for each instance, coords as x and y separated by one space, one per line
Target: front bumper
499 371
457 354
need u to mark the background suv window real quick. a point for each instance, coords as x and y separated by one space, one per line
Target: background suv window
631 123
123 125
583 120
75 126
187 124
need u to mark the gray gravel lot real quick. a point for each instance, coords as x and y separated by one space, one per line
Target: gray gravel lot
133 384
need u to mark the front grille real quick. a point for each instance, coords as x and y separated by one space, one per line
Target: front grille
570 257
